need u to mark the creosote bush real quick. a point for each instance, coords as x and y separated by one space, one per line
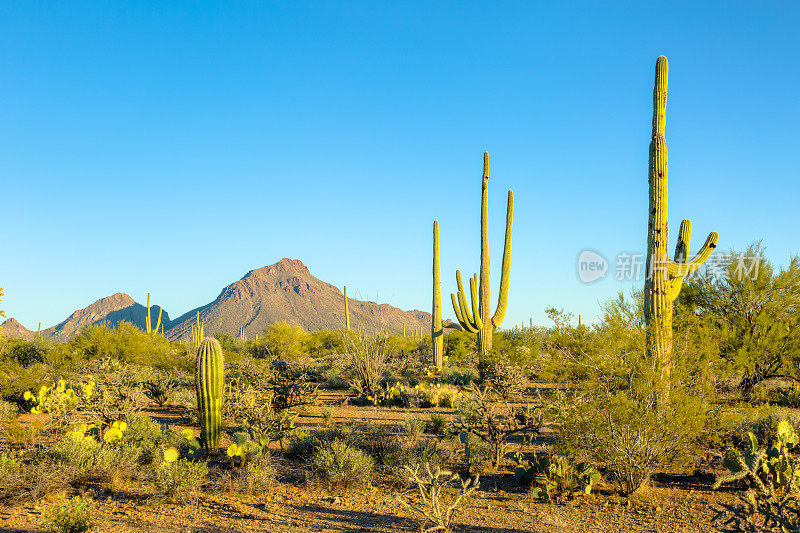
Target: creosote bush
75 516
335 464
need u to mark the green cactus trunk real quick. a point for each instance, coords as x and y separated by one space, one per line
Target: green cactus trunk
480 321
346 310
209 367
437 333
664 276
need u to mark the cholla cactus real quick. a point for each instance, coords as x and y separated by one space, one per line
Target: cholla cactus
208 385
430 486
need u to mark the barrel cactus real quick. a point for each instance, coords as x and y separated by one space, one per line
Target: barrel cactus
208 385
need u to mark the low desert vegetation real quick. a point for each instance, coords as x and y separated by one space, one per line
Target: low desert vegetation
566 411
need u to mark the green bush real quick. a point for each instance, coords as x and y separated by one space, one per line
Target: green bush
73 517
177 480
303 445
414 427
437 424
335 464
128 344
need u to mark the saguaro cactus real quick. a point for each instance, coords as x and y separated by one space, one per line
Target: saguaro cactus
664 276
148 320
209 366
346 310
480 320
437 333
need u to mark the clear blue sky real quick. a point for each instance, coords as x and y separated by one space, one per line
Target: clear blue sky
172 148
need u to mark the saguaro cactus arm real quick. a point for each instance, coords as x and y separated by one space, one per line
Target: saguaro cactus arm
465 317
505 275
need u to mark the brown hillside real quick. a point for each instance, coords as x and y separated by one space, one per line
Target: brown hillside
13 328
286 291
111 309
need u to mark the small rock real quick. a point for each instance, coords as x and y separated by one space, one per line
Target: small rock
333 500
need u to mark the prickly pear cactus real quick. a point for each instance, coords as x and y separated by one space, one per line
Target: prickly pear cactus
209 367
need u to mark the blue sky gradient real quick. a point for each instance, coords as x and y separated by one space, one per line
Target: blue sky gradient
172 148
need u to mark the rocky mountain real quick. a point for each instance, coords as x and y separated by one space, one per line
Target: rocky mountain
286 291
111 309
13 328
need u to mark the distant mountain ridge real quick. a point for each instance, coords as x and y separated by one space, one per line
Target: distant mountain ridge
285 291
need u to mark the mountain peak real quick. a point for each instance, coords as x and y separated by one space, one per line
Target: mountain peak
13 328
284 266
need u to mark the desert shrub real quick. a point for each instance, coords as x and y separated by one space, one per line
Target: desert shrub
75 516
327 416
420 453
253 471
459 377
459 345
24 480
476 453
335 464
290 387
126 343
556 477
380 443
785 396
414 427
771 503
335 380
752 308
282 341
147 437
437 424
264 425
90 454
160 387
504 378
177 479
8 410
430 486
16 379
367 359
27 353
494 420
303 445
629 415
257 477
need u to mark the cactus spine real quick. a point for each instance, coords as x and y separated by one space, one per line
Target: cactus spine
665 276
208 385
346 310
437 333
480 321
149 321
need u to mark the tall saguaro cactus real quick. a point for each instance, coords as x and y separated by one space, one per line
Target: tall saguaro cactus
209 366
664 276
149 321
480 320
437 333
346 310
